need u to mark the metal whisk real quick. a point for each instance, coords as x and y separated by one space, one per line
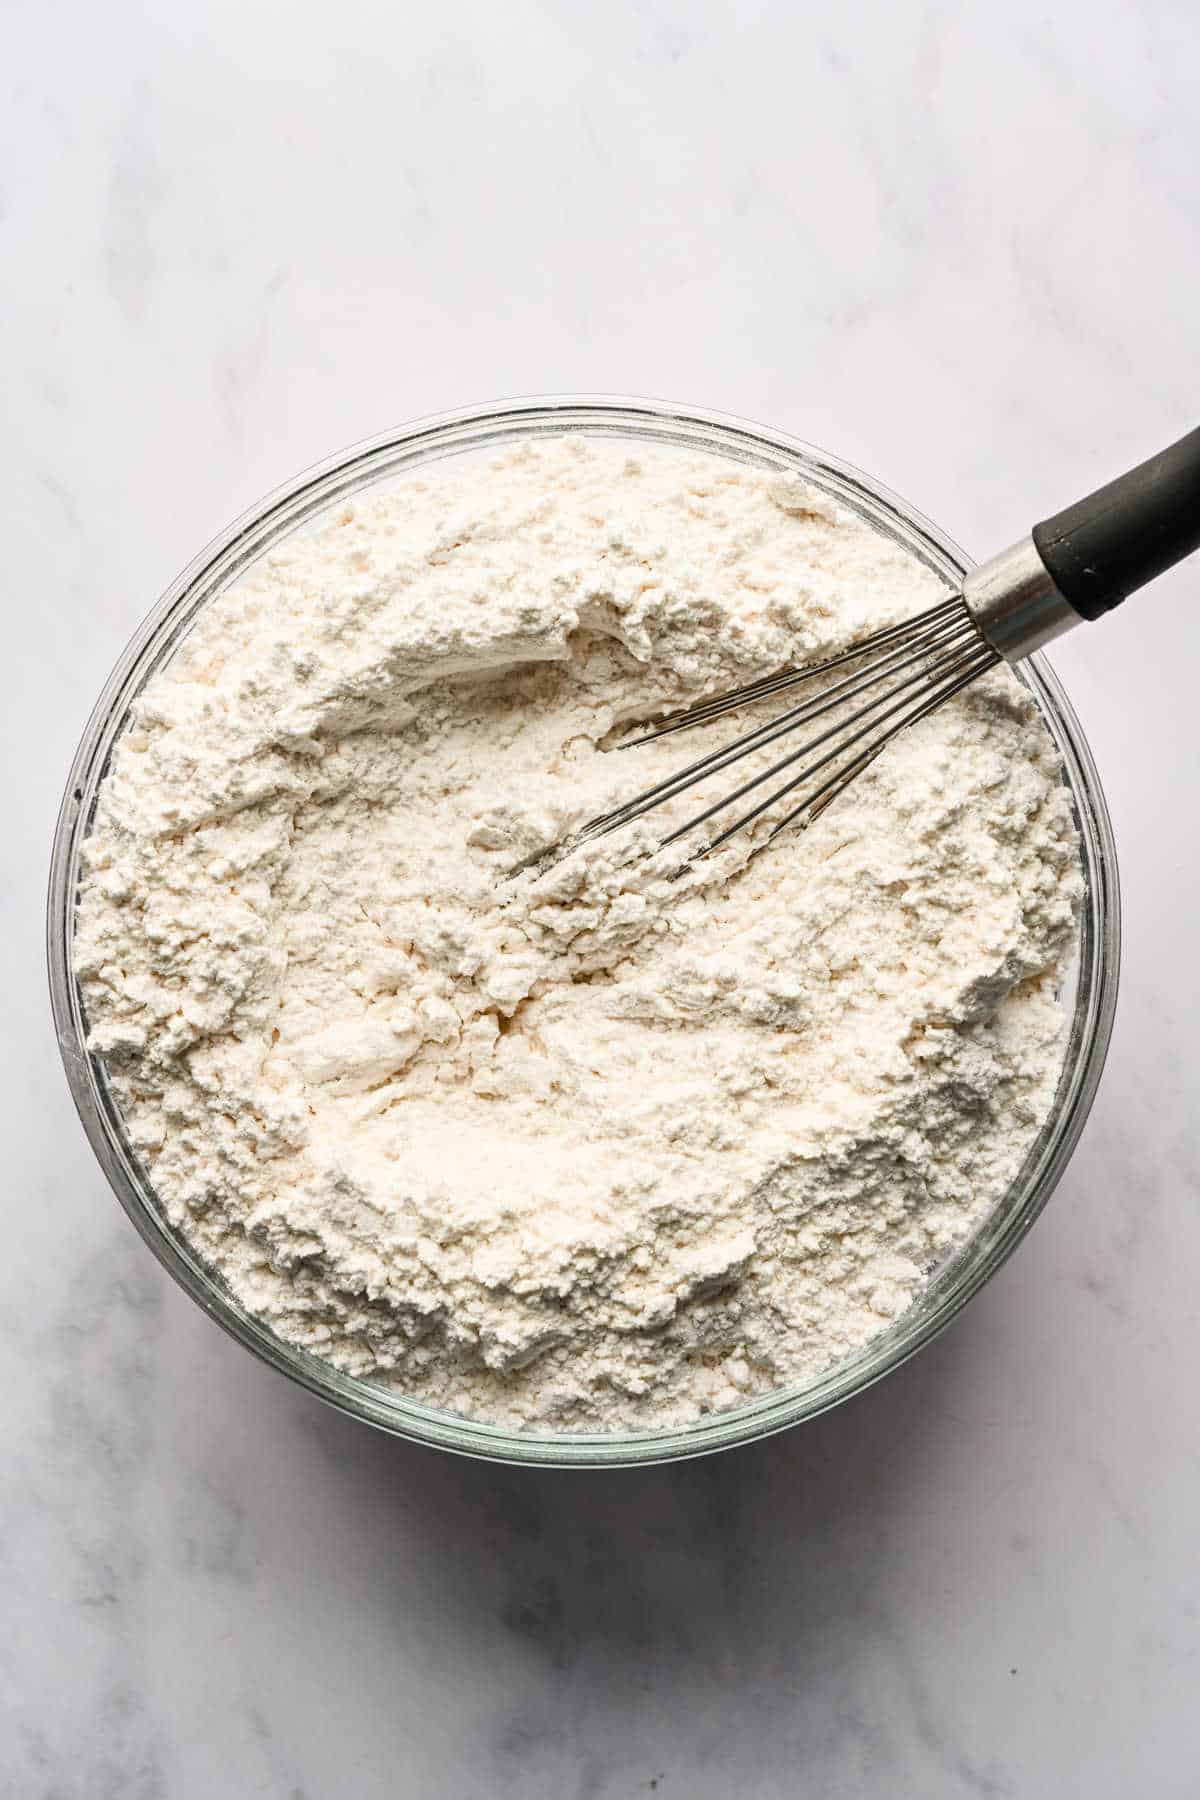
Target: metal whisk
1075 566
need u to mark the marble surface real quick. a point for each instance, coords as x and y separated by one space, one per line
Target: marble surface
959 245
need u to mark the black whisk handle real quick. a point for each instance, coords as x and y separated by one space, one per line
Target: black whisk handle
1115 540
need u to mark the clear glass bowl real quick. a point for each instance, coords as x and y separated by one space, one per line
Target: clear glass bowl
1090 994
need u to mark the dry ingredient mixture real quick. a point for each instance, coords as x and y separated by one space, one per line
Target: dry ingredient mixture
599 1149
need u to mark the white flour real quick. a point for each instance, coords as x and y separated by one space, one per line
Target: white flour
598 1150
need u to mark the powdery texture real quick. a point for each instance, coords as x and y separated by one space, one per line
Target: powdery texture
601 1149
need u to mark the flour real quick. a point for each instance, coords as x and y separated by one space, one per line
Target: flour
601 1149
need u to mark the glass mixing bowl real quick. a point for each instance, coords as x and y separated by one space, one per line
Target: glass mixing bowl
1090 992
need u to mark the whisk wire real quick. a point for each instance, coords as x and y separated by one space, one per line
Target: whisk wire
959 635
909 633
814 804
907 670
951 665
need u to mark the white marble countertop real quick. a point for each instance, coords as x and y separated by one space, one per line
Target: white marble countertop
959 246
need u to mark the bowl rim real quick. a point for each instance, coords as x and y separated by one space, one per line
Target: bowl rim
369 464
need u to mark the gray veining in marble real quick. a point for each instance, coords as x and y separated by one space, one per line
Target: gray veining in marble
959 245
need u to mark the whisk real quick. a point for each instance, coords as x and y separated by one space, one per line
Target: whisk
1077 565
